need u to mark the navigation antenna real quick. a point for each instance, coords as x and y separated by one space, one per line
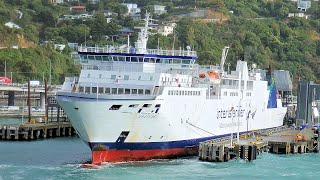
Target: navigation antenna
224 56
141 44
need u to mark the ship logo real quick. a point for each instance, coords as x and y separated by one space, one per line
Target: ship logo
272 101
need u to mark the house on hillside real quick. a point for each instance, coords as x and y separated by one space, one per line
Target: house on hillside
301 15
132 8
93 1
304 5
166 29
12 25
158 9
78 8
56 1
124 32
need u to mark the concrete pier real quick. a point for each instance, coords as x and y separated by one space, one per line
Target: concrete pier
33 131
281 140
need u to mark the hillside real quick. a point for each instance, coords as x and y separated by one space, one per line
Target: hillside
261 30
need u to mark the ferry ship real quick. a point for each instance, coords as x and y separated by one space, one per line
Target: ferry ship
135 104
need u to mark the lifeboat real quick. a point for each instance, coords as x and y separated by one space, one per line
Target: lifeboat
202 75
214 77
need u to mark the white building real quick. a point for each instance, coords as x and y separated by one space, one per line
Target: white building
304 5
12 25
158 9
57 1
93 1
167 29
132 8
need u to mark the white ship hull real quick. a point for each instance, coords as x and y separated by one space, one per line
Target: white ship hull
179 123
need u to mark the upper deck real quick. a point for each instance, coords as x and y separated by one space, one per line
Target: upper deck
130 50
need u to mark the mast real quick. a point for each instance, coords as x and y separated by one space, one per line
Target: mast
141 44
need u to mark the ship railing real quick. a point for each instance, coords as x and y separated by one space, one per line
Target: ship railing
139 67
125 49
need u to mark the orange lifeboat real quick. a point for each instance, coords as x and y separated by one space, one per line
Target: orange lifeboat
214 77
202 75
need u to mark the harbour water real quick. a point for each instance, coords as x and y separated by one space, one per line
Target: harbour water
60 158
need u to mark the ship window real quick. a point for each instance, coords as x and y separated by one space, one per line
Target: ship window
140 59
158 105
225 93
106 58
115 58
151 77
176 61
87 90
128 59
147 91
134 91
140 91
152 60
134 59
166 61
158 61
169 92
120 90
180 93
127 91
147 105
107 91
100 90
126 77
81 89
115 107
121 58
114 91
98 58
100 75
113 76
186 61
146 59
94 89
134 105
139 78
91 57
88 76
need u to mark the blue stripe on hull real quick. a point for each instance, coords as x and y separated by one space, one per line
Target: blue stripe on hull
153 145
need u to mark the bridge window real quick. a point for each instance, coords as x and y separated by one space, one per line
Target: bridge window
176 61
115 58
134 59
91 57
146 59
140 59
106 58
158 61
98 58
186 61
128 59
147 91
121 58
134 91
127 91
140 91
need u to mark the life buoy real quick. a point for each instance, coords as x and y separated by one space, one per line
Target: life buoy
213 74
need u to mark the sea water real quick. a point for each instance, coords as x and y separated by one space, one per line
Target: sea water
61 158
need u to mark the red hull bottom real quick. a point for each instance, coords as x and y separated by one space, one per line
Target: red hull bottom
140 155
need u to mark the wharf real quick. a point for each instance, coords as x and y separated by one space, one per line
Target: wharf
33 131
281 140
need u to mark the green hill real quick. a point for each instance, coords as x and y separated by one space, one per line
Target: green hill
261 30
